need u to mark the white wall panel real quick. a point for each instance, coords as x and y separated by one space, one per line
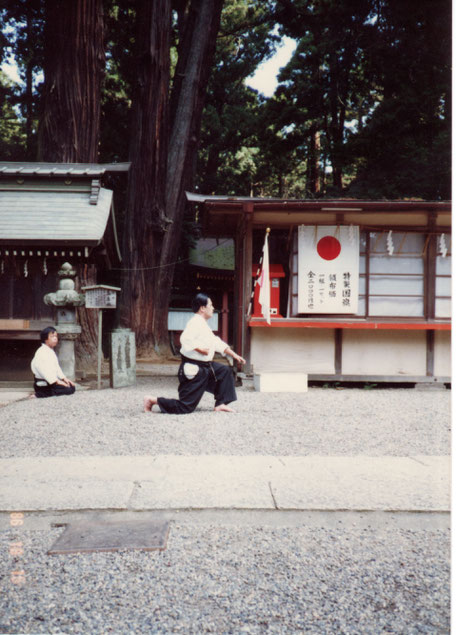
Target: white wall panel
383 352
442 354
293 350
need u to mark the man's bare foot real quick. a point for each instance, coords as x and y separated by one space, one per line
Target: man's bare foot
32 396
223 408
149 402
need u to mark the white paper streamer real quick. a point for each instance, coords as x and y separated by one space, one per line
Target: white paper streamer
442 246
389 243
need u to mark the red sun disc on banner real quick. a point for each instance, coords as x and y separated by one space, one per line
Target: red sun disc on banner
328 247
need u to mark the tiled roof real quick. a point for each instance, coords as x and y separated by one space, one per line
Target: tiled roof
53 216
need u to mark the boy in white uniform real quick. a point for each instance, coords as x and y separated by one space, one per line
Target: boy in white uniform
50 380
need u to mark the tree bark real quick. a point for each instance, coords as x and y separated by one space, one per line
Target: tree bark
146 220
73 71
69 128
160 173
314 161
196 54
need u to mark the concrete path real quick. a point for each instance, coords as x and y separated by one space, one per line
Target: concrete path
358 483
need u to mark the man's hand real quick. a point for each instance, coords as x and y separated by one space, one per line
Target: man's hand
238 358
234 355
64 382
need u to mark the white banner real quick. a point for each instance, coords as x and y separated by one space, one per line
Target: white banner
328 269
264 297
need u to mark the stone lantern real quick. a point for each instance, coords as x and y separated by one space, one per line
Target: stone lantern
66 299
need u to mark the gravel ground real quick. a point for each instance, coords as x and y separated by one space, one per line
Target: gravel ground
323 421
220 577
214 579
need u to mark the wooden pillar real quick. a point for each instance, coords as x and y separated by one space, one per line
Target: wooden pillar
247 268
338 334
224 312
430 346
238 287
429 270
430 263
367 269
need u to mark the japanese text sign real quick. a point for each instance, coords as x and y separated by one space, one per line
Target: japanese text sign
328 269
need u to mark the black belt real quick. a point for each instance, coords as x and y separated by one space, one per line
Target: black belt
198 362
37 379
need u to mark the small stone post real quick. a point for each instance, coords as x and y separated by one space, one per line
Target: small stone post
65 299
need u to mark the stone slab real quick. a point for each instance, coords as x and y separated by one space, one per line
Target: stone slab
55 494
364 483
208 481
280 382
237 492
98 534
420 483
136 468
122 361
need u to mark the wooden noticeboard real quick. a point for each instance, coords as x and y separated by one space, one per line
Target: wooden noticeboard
101 296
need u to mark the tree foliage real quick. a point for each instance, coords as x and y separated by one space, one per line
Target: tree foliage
404 147
362 109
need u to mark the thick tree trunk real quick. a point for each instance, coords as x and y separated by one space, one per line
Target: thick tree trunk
196 54
145 221
158 177
73 71
69 128
314 161
87 342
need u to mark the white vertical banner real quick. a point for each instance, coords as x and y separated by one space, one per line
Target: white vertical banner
264 297
328 269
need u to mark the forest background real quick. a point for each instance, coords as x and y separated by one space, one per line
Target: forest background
361 110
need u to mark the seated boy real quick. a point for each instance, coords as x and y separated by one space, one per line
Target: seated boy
50 380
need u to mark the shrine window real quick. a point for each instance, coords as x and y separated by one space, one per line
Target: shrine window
396 274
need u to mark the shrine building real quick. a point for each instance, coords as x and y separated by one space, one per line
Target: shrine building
50 213
360 290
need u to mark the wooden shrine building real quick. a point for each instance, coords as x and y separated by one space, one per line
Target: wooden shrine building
50 213
361 290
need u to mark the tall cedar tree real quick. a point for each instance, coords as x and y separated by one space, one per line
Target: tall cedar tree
69 128
146 208
163 167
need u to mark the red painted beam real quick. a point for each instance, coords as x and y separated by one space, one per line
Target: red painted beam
355 324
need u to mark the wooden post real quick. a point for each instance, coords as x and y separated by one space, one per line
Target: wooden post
239 294
430 266
100 351
247 274
338 335
225 312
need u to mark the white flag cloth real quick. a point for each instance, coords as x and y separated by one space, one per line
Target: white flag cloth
328 269
265 287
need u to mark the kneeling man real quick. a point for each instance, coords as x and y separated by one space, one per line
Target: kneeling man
197 372
50 380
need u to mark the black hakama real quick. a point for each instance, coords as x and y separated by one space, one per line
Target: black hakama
211 377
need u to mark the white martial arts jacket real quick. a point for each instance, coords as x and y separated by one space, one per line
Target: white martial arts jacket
198 334
45 365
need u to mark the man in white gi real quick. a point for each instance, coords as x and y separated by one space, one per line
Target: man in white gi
197 372
50 380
